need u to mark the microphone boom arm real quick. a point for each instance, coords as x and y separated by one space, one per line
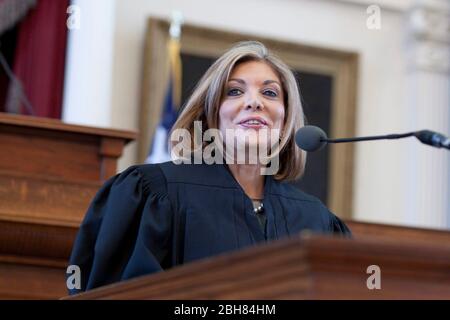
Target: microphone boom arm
368 138
311 138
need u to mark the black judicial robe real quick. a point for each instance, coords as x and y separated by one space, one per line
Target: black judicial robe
152 217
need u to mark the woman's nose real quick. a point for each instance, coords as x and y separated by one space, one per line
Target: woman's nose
254 103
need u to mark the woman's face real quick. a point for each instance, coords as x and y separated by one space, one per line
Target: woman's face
253 101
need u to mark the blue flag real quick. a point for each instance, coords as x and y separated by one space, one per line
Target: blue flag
159 151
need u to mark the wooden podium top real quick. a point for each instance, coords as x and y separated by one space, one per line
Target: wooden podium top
50 149
303 267
14 120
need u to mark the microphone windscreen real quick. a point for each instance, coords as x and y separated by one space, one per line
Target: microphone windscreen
309 138
430 137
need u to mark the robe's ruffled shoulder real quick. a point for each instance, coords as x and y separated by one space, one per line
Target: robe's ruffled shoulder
338 226
127 229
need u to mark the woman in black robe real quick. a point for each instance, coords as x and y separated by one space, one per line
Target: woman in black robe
153 217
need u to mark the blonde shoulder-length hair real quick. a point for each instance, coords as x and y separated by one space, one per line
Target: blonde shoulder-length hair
204 103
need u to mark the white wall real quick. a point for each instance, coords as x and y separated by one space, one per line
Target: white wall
89 63
380 174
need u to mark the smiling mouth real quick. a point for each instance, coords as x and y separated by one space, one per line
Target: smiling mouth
253 123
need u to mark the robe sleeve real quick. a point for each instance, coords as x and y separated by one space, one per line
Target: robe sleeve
127 229
339 227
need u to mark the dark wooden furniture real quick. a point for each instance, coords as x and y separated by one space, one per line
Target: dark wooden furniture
394 233
305 267
49 172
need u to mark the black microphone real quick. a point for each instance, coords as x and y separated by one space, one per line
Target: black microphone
433 139
312 138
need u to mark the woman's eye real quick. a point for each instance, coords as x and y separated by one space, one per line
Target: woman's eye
234 92
271 93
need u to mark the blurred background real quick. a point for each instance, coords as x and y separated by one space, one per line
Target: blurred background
364 68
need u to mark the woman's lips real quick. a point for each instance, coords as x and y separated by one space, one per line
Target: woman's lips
253 123
253 126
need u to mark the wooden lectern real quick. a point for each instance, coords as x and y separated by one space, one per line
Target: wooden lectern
305 267
49 173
